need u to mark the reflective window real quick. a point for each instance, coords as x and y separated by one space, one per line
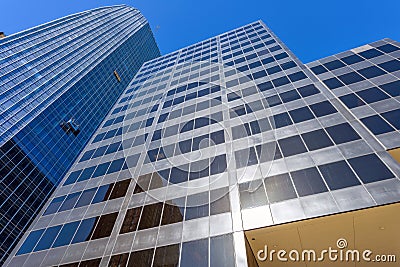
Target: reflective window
47 238
173 211
141 258
131 220
54 205
167 256
316 139
197 206
280 81
219 201
393 117
252 194
352 59
69 201
86 197
120 189
85 230
221 251
352 101
308 182
66 234
372 95
105 226
308 90
342 133
332 83
301 114
282 120
279 188
334 65
30 242
388 48
338 175
377 125
350 78
119 260
370 168
392 88
322 109
318 69
370 53
291 146
195 253
371 72
150 216
102 193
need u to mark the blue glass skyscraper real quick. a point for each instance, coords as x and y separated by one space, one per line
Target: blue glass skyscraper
57 83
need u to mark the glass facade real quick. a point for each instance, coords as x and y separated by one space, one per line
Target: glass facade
50 74
227 135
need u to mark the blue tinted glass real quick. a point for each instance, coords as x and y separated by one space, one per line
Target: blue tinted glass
47 238
377 125
86 197
393 117
54 205
30 242
69 201
370 168
84 231
102 194
338 175
66 234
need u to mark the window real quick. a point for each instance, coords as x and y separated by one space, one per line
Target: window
388 48
370 168
105 226
166 256
30 242
333 83
173 211
47 238
377 125
390 66
323 108
301 114
102 193
392 88
86 198
308 182
150 216
131 220
351 101
221 251
120 189
273 70
352 59
342 133
334 65
54 205
245 157
316 140
371 53
291 146
372 95
338 175
393 117
282 120
143 257
273 101
279 188
194 253
371 72
289 96
252 194
265 86
197 206
66 234
280 81
350 78
294 77
86 174
69 201
318 69
308 90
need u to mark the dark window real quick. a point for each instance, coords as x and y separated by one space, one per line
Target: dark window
265 86
195 253
156 135
393 117
371 53
179 174
267 60
282 120
377 125
391 66
116 165
280 81
120 189
141 258
294 77
342 133
352 101
86 174
370 168
388 48
350 78
338 175
233 96
173 211
279 188
322 108
318 69
273 70
308 182
333 83
47 238
372 95
218 137
352 59
316 139
259 74
281 56
273 101
291 146
72 177
166 256
289 96
392 88
334 65
131 220
301 114
66 234
185 146
245 157
197 206
105 226
371 72
218 164
101 169
308 90
288 65
151 216
100 151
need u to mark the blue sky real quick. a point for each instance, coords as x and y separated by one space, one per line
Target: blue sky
312 29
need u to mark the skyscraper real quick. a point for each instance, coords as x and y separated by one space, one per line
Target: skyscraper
58 81
210 151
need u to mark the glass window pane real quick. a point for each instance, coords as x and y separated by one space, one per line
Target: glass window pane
195 253
86 197
151 216
316 140
291 146
308 182
370 168
279 188
221 251
30 242
342 133
173 211
338 175
141 258
66 234
105 226
131 220
47 238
